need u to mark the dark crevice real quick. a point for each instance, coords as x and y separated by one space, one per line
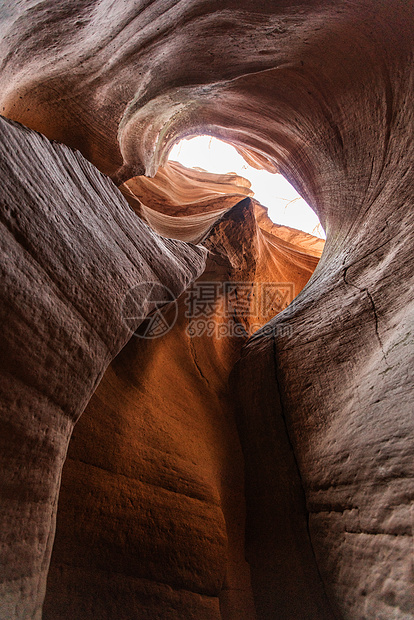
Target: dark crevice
290 443
376 321
194 356
374 310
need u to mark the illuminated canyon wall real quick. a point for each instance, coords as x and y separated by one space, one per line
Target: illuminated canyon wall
259 472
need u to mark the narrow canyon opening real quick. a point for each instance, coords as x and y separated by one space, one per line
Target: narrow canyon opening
284 204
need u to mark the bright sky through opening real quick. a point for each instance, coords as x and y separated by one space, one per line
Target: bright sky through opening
271 190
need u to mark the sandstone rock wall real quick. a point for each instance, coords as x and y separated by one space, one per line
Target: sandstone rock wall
321 91
71 250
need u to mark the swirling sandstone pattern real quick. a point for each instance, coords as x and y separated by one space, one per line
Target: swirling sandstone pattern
321 91
184 203
71 250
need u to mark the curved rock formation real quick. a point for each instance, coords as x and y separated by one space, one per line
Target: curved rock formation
184 203
180 191
321 91
71 252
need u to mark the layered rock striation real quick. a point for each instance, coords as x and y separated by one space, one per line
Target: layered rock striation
72 249
321 397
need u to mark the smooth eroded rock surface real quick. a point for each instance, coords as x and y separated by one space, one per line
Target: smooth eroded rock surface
71 250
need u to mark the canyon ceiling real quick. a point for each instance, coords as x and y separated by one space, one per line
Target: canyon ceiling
262 468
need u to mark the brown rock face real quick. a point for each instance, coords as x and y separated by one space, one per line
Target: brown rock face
71 251
314 439
342 397
179 191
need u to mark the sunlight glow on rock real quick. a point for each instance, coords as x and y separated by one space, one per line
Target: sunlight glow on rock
285 205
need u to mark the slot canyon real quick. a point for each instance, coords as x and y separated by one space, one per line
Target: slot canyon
206 415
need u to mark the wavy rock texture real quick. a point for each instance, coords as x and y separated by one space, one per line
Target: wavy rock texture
184 203
71 250
285 82
177 190
321 91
